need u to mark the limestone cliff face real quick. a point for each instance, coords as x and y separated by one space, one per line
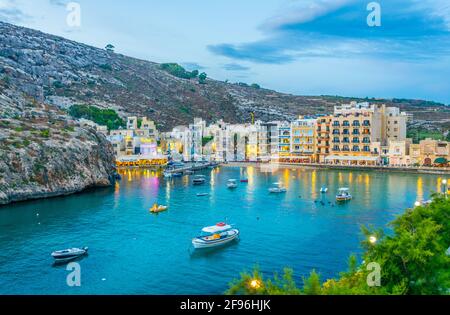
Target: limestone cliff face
44 153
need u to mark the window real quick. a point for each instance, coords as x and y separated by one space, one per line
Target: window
356 148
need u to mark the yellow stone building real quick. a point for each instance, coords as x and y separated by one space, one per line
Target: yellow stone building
356 135
303 140
323 129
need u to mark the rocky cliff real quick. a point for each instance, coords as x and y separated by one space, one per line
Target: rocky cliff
62 72
44 153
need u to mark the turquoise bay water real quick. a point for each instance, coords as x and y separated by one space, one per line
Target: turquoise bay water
135 252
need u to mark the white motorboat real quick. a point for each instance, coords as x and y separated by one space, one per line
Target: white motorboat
324 190
168 175
216 235
343 195
199 180
69 254
277 189
232 184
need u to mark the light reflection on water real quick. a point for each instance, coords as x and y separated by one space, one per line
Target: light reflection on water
139 253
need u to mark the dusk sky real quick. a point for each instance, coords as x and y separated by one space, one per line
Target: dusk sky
309 47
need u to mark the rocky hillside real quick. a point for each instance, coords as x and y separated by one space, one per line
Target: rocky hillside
62 72
44 153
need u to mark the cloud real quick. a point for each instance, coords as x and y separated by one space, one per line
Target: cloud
235 67
60 3
10 13
410 29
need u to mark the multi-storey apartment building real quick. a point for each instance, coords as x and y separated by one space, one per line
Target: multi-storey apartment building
303 140
284 140
356 134
267 140
323 129
393 124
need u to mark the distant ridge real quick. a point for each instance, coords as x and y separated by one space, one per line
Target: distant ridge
63 72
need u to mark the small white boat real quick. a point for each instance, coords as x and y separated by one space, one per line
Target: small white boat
343 195
69 254
199 180
202 194
324 190
232 184
277 189
168 175
216 235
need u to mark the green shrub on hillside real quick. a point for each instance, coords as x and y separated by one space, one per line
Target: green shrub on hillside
103 117
178 71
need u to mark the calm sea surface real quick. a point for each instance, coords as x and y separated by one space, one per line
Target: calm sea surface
134 252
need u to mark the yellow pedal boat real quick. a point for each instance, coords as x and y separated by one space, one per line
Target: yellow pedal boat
158 209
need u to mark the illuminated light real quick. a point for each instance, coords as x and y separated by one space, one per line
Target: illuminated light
444 181
372 240
255 284
417 204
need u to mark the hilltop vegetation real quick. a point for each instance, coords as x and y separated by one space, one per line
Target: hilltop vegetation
413 260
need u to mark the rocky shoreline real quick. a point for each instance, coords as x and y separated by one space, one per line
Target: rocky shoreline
44 153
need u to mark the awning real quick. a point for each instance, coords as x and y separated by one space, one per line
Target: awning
440 160
352 158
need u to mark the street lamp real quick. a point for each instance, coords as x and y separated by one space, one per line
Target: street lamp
255 284
444 187
372 240
417 204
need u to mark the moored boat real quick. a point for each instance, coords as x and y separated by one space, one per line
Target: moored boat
216 235
343 195
69 254
232 184
199 180
324 190
277 189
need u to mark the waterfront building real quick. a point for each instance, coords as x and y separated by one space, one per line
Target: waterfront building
323 129
399 153
434 152
303 140
238 143
284 141
393 124
138 142
194 140
356 135
267 141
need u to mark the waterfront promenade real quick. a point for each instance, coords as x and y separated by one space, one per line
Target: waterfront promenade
419 170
